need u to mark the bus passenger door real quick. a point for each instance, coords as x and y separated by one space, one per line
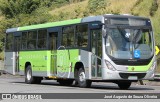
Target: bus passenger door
17 44
53 46
16 49
96 49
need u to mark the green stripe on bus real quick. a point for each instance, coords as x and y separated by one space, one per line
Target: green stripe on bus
52 24
45 60
140 68
38 60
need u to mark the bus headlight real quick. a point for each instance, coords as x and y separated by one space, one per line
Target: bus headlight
110 66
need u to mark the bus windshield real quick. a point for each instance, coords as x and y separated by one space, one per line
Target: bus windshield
129 43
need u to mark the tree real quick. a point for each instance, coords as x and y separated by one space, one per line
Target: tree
12 8
154 7
93 5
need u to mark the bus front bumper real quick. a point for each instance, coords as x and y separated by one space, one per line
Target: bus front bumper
124 75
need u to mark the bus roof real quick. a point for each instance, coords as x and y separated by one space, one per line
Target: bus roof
55 24
45 25
123 16
68 22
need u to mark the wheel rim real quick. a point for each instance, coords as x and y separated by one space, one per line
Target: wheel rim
28 75
82 76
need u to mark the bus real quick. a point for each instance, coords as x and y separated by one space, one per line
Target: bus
104 48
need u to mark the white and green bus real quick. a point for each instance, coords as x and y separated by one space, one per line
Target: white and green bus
105 48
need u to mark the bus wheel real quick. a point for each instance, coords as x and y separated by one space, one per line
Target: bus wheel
67 82
28 76
82 82
124 85
29 79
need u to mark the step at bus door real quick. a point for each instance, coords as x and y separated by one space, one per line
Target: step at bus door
96 49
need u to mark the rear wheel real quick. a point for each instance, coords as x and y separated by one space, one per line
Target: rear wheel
124 85
82 81
29 79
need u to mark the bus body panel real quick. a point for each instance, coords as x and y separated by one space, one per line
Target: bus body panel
85 58
124 72
9 62
66 60
38 60
43 65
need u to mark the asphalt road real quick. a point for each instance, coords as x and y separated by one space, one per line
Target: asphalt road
15 84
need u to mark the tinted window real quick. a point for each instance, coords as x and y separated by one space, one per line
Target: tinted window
32 36
68 36
24 40
82 35
9 42
42 35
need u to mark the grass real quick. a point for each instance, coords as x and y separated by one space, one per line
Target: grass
71 10
158 68
158 63
143 8
78 10
1 55
121 6
156 24
1 18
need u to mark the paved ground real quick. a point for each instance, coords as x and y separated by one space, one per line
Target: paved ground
10 84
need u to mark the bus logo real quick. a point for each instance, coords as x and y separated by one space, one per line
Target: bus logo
132 68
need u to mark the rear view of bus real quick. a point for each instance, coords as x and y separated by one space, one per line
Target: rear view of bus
128 49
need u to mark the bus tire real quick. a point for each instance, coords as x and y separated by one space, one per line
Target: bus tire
29 79
124 85
82 81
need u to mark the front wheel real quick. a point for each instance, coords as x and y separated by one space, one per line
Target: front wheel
82 81
124 85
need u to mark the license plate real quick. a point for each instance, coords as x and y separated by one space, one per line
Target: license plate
132 78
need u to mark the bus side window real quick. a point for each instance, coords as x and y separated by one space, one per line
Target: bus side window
68 36
32 37
42 36
82 35
9 42
24 40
